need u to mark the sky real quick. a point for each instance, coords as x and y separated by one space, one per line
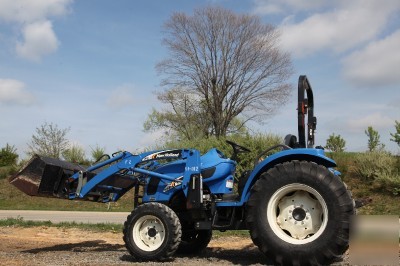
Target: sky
90 66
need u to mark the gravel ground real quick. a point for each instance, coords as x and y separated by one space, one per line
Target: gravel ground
58 246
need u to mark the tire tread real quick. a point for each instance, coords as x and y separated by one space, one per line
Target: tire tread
301 172
173 220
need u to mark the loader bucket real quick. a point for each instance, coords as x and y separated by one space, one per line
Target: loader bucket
43 176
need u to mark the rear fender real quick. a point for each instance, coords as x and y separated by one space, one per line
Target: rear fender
311 155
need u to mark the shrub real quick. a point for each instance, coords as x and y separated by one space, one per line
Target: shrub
344 161
97 153
7 171
381 169
8 161
75 154
8 155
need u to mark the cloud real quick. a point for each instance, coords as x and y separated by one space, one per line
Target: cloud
339 29
376 65
376 120
14 92
39 40
263 7
26 11
394 103
33 23
121 97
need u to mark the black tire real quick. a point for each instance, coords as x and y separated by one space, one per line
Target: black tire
194 241
152 232
299 213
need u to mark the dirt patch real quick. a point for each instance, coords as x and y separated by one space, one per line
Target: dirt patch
58 246
66 246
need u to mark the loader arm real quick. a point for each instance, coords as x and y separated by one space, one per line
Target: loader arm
109 179
191 182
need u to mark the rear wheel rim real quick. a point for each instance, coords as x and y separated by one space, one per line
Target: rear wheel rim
297 214
148 233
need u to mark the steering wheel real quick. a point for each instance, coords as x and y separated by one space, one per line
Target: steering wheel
237 149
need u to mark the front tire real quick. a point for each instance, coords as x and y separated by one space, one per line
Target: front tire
152 232
299 214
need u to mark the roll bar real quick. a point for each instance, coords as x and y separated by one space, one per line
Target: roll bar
306 105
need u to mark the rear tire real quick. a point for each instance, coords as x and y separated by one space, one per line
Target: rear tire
299 214
194 241
152 232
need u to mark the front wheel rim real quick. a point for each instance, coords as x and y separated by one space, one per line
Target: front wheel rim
148 233
297 214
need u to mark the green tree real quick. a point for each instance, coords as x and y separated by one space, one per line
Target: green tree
335 143
396 135
230 64
49 141
8 155
374 142
75 154
97 152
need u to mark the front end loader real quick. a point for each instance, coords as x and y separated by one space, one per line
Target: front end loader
293 202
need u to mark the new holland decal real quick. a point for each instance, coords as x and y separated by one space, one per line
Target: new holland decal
170 154
177 182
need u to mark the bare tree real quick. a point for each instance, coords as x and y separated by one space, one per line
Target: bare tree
49 140
232 62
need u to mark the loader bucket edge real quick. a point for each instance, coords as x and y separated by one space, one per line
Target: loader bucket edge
44 176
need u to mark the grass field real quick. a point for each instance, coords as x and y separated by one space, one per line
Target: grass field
100 227
13 199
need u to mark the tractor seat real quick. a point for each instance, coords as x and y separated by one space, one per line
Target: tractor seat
291 141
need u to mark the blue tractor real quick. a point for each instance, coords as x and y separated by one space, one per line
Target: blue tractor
293 202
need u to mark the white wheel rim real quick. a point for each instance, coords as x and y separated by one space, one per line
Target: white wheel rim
148 233
297 214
